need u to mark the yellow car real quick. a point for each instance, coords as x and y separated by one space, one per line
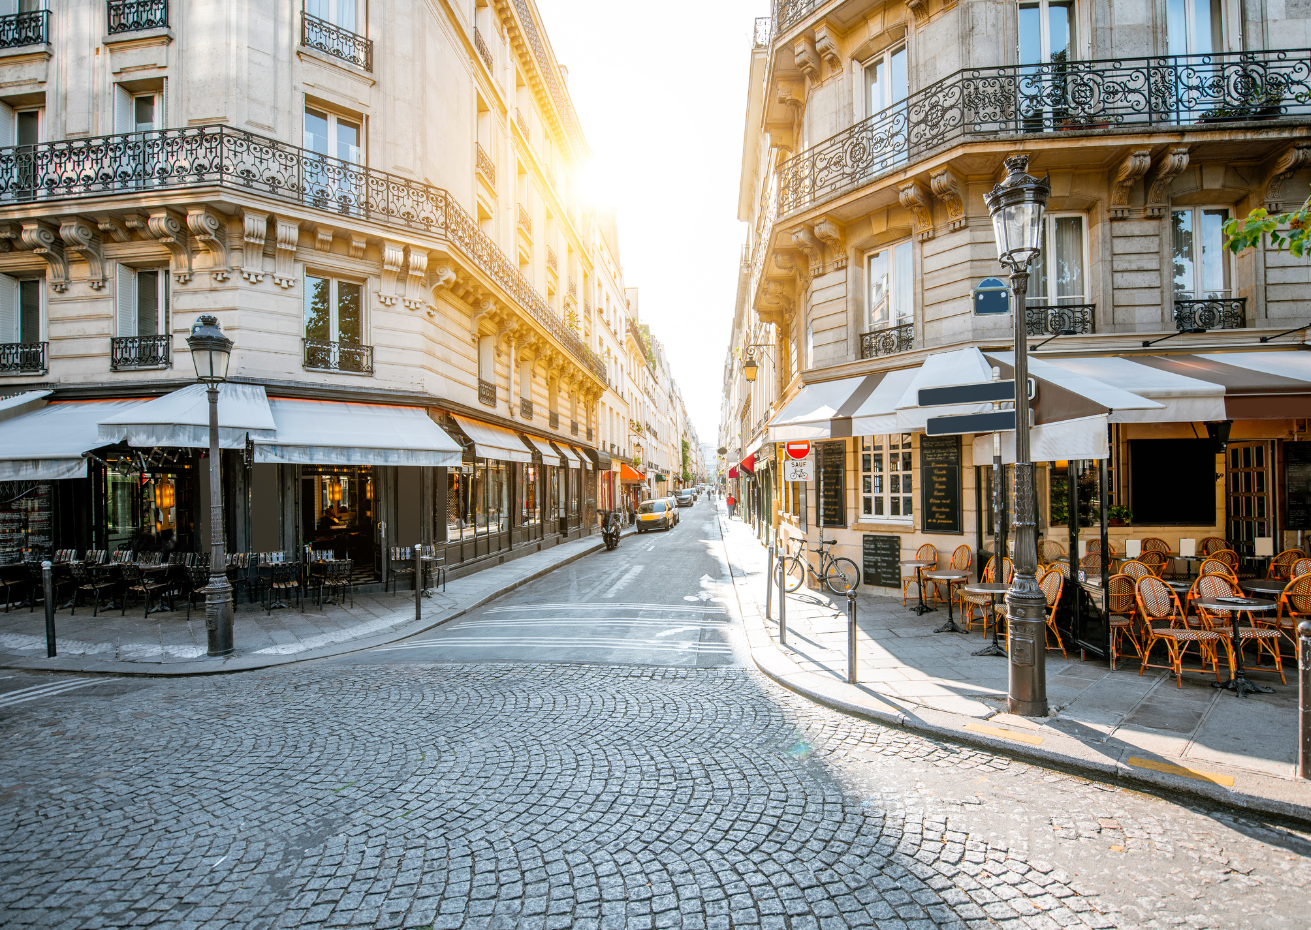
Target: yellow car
654 515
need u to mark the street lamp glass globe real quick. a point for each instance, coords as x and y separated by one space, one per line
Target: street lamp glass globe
210 350
749 369
1017 206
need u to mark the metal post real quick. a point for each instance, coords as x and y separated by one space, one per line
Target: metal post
782 602
769 580
218 593
418 581
851 637
1304 699
386 553
1026 607
48 583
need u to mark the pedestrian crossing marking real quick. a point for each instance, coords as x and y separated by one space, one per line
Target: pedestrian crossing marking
47 689
1169 768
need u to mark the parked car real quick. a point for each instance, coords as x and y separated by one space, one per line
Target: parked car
684 498
673 507
654 515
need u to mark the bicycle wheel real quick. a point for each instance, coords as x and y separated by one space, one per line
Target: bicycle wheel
841 576
795 569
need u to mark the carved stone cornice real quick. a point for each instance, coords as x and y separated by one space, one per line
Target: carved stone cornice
1291 160
393 261
947 188
166 226
803 52
806 241
211 232
915 198
416 274
322 237
287 232
920 10
1168 167
1133 167
357 245
254 230
82 240
44 240
113 227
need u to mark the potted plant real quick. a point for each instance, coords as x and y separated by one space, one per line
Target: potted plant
1119 516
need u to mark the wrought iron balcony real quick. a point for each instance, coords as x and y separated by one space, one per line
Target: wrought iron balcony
486 393
486 167
525 221
232 159
23 357
19 29
1050 321
1210 313
129 352
136 15
551 261
889 340
787 12
763 32
1069 96
525 408
589 434
331 39
321 355
554 420
573 427
521 122
483 51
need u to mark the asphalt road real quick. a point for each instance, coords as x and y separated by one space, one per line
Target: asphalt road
613 763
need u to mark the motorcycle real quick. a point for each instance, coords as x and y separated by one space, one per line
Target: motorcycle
610 530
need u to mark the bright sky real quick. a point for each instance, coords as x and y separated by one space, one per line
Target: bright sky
661 91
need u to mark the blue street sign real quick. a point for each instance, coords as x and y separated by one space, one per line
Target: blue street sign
991 295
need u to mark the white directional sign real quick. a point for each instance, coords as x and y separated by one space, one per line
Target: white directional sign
799 469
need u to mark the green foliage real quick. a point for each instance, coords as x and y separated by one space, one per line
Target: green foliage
1117 512
1292 229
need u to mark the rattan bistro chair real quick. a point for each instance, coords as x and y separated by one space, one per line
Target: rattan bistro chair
925 553
1155 544
1283 565
1211 545
1123 609
137 582
1136 569
1050 552
402 565
1265 637
1164 622
961 560
1051 583
1154 559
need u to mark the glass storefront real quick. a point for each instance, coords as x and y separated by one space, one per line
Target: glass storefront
337 512
150 511
529 495
477 499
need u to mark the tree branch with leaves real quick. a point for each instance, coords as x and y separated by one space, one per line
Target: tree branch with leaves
1291 229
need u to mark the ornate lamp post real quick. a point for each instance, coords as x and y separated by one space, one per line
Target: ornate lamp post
211 351
1017 205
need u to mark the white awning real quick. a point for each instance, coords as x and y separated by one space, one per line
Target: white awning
571 457
494 442
1181 399
549 455
808 414
877 414
46 444
319 432
21 404
1081 438
963 366
181 418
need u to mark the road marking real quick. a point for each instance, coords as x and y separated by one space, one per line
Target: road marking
1005 734
36 692
675 607
592 621
641 644
1170 768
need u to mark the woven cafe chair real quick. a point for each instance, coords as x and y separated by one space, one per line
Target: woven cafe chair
1283 565
1294 606
969 603
999 609
196 581
1051 583
962 557
1095 545
1062 566
1212 544
1091 565
340 579
1136 569
402 565
1123 609
1265 637
1156 560
137 582
1228 556
90 578
1300 567
925 553
1050 551
282 579
1164 622
1155 544
1217 567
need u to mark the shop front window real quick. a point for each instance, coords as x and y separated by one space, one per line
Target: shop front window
478 499
337 510
529 495
887 482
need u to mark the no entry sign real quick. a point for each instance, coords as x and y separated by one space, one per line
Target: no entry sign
798 449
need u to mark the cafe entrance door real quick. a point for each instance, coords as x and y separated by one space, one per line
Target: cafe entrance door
1250 503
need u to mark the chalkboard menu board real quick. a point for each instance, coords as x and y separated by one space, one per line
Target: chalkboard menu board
940 507
882 558
1297 479
833 485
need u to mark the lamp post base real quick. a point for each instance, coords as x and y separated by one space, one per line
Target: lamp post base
218 615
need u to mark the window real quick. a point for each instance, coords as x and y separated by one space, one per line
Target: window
887 483
335 136
1201 265
891 286
19 127
136 112
1184 493
810 345
1046 30
1058 275
341 13
334 325
1194 27
20 310
142 302
885 81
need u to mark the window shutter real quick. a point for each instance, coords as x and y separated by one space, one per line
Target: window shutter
124 119
8 124
127 301
8 308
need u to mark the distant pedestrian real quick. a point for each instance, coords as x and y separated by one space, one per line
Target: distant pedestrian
732 503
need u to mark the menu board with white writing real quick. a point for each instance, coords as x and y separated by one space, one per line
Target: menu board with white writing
1297 479
940 505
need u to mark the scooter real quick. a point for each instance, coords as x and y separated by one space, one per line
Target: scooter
610 530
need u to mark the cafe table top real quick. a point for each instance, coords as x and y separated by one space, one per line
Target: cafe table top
946 574
1264 585
1258 604
987 587
919 563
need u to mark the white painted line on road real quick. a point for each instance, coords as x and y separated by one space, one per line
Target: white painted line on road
590 621
674 607
36 692
625 581
645 646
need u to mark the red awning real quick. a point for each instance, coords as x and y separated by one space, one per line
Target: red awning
749 464
629 473
732 471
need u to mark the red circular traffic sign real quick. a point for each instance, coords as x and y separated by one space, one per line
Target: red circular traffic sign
797 449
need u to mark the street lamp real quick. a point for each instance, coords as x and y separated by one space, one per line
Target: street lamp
750 365
1017 205
211 351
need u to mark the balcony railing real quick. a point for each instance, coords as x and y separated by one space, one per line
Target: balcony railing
321 355
787 12
136 15
888 340
1210 313
486 393
525 408
483 51
1062 318
223 157
128 352
764 31
573 427
521 122
1073 96
19 29
525 220
554 420
551 261
486 167
23 357
331 39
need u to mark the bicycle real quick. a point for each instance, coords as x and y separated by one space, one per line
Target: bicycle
839 575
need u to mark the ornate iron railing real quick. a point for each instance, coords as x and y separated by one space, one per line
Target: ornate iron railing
220 156
23 356
136 15
1072 96
331 39
554 420
19 29
887 341
525 408
1049 321
321 355
127 352
486 167
787 12
573 427
483 51
1210 313
763 32
486 393
551 261
589 434
525 220
521 122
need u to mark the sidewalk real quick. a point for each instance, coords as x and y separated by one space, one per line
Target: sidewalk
1137 730
168 644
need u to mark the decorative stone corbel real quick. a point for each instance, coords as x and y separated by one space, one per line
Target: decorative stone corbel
393 260
113 227
1133 167
805 240
920 9
254 229
1168 167
775 305
211 231
11 237
1293 158
166 226
946 187
357 245
416 265
323 238
137 223
915 198
482 309
803 52
44 240
830 233
84 242
284 256
443 277
787 95
827 46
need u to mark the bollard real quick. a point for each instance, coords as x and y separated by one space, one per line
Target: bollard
47 581
769 581
851 637
1304 698
418 581
782 602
